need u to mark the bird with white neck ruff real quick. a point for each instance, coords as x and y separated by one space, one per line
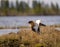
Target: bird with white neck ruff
35 26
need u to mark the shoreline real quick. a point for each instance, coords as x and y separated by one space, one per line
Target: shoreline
18 27
32 15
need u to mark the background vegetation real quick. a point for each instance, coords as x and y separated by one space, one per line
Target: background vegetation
22 8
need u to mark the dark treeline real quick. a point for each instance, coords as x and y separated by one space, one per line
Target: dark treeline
22 8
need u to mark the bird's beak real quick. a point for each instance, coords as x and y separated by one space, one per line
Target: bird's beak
29 22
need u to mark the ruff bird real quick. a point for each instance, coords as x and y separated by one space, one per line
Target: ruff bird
35 26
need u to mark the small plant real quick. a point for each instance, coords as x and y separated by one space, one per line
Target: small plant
39 45
27 43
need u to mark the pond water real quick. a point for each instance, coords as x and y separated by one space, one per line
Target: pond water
6 31
23 21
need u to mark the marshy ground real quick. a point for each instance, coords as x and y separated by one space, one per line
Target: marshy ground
48 37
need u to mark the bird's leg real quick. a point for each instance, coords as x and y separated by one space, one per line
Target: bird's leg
38 30
33 29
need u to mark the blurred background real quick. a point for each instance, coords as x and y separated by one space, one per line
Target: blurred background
29 7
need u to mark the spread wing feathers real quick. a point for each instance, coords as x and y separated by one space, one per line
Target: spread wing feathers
41 24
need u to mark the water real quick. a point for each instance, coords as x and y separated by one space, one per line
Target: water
6 31
23 21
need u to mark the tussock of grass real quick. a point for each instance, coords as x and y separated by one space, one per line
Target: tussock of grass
48 37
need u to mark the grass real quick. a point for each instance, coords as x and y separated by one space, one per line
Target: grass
48 37
6 27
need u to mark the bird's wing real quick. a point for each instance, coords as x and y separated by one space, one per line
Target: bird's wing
41 24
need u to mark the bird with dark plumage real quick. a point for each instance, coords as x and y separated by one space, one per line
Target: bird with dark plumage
35 26
32 24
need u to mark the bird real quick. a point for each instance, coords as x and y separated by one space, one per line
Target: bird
35 26
32 24
38 22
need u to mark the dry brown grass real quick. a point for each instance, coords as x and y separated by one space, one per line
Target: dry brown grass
48 36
